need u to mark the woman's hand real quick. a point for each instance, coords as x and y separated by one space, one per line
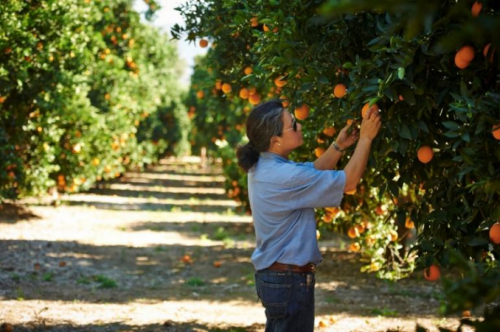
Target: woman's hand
345 140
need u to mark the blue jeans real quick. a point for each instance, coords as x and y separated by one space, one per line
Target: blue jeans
288 298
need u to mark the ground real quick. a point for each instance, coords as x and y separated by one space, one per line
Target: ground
140 253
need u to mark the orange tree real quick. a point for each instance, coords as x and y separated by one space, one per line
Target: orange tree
86 91
432 70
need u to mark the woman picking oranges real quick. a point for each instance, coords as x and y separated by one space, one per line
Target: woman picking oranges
283 195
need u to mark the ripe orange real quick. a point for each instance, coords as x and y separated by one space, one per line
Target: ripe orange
380 210
329 131
370 240
495 233
352 233
394 235
466 53
244 93
432 273
466 314
349 122
360 228
409 223
496 131
254 99
2 99
217 264
340 91
366 109
203 43
254 22
218 84
319 151
284 101
226 88
327 218
401 98
302 112
485 52
200 94
476 9
460 63
425 154
252 91
248 70
355 247
265 28
333 211
280 82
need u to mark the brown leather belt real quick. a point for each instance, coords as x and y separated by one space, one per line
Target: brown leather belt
308 268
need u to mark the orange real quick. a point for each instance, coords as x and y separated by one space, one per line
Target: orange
460 63
425 154
244 93
351 192
302 112
226 88
254 99
466 53
327 218
333 211
370 240
495 233
360 228
349 122
466 314
320 141
252 91
401 98
476 9
340 91
218 85
354 246
203 43
200 94
248 70
496 131
381 210
280 82
217 264
329 131
319 152
254 22
432 273
284 101
265 28
366 107
352 233
409 223
394 235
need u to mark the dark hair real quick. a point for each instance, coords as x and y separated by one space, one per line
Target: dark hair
263 123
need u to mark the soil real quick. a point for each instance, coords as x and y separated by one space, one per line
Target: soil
140 253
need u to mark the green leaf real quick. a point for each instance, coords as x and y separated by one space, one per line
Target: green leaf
401 73
451 125
405 132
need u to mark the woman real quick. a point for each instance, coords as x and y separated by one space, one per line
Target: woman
283 195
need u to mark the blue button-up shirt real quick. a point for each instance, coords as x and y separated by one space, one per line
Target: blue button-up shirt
283 195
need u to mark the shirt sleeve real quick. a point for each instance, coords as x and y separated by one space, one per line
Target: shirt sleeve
313 188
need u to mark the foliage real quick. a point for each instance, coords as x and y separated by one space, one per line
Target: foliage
400 55
85 92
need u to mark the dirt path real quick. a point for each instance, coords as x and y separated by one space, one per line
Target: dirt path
138 254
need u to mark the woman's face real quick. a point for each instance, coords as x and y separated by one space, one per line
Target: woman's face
290 138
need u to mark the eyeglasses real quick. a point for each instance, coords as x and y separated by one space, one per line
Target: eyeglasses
294 125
